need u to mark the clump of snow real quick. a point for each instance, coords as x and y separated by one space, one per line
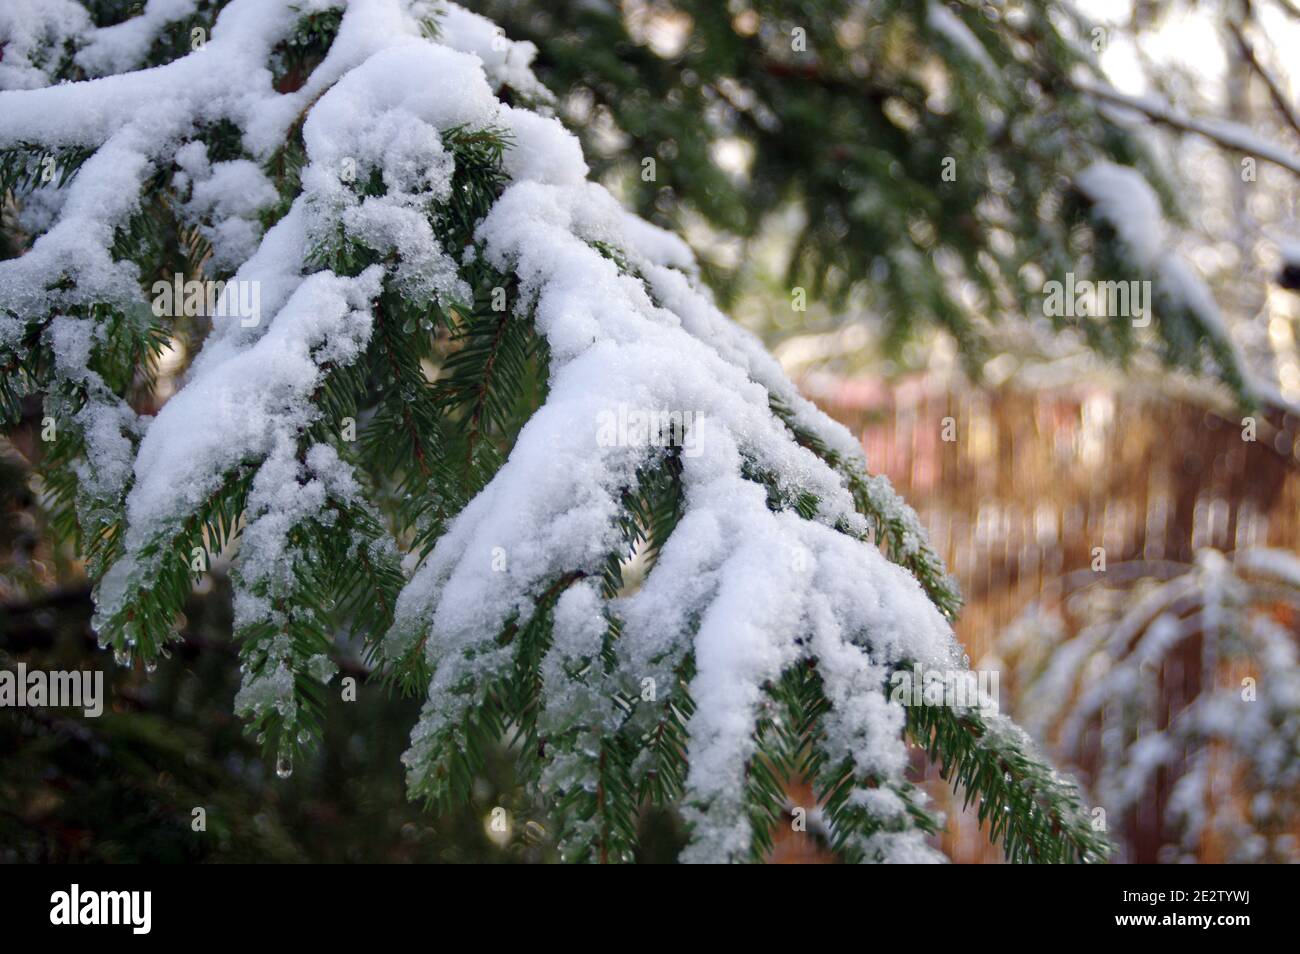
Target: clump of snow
33 34
506 62
124 46
544 151
225 199
271 689
1123 198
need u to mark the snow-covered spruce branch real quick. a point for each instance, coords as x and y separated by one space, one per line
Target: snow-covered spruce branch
436 278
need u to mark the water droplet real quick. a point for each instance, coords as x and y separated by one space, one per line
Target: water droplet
284 765
122 658
151 665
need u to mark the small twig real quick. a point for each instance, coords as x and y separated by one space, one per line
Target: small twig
1228 135
1275 91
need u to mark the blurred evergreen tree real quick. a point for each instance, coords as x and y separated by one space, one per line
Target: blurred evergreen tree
925 154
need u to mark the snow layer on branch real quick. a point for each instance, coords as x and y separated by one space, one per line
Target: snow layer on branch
1228 134
228 78
224 200
1122 198
238 409
78 246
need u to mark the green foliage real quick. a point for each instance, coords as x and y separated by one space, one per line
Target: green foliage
25 169
1035 814
1024 804
461 749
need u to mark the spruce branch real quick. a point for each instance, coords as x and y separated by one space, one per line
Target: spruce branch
1027 806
